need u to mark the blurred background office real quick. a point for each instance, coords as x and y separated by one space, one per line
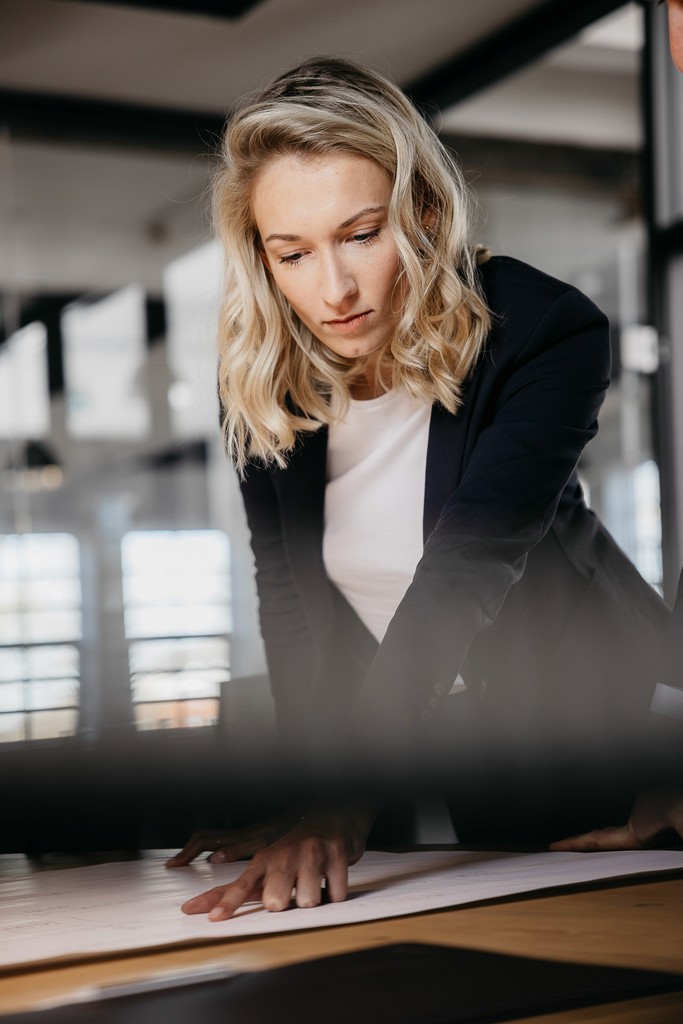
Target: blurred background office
127 606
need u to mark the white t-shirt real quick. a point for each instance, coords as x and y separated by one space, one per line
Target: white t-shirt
374 503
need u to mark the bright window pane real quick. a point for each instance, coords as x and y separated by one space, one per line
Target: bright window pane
190 621
52 693
179 588
17 663
52 662
11 697
12 661
40 617
9 595
12 728
38 556
191 287
171 551
24 392
104 350
176 592
176 714
48 724
176 583
177 685
179 653
40 627
47 593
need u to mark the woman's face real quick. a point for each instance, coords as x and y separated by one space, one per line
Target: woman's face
676 31
323 227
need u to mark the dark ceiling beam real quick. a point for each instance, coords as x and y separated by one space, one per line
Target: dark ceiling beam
520 42
227 9
489 159
507 50
76 119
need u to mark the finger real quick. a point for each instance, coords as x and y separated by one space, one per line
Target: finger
190 850
237 848
205 902
199 843
278 885
337 880
302 865
619 838
309 886
222 856
246 889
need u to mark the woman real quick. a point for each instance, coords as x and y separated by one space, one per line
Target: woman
406 415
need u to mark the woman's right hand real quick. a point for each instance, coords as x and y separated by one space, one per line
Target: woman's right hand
311 861
235 843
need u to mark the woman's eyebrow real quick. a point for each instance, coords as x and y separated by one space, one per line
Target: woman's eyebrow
283 238
346 224
362 213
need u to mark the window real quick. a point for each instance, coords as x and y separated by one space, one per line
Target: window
24 394
176 594
40 626
192 285
104 356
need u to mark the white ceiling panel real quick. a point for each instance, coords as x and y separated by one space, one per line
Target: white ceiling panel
189 62
585 93
92 217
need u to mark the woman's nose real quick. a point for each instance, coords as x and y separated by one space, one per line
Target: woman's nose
338 284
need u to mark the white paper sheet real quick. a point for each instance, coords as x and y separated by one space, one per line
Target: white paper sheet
81 912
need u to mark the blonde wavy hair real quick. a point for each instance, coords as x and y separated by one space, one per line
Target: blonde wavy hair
276 379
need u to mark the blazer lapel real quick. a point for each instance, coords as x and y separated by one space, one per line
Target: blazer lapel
301 493
445 451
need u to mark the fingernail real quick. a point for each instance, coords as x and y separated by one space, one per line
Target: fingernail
217 914
217 858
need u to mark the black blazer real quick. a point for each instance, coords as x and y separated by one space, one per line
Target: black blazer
520 588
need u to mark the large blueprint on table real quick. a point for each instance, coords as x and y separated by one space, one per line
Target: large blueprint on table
121 907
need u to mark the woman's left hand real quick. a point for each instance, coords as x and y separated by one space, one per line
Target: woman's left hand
319 848
653 813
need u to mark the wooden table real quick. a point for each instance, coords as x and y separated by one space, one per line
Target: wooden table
626 924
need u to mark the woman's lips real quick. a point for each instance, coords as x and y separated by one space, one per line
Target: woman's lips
349 324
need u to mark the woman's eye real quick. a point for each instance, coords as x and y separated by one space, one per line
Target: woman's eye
366 236
292 258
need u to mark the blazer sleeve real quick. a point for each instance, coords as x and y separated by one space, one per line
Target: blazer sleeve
291 652
667 701
545 412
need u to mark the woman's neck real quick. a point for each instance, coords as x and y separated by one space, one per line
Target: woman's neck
370 384
363 390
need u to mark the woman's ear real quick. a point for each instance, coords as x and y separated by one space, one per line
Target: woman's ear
429 220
